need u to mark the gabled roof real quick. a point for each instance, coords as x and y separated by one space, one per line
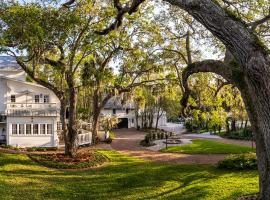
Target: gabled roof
8 63
116 103
20 81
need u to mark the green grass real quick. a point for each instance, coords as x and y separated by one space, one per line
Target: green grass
124 178
209 147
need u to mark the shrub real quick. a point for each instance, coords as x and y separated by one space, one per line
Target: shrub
239 162
32 149
154 136
108 140
244 134
162 135
147 138
158 135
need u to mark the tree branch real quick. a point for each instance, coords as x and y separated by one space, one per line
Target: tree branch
214 66
42 82
257 23
129 8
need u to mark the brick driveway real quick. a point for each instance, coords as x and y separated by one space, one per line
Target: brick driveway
127 141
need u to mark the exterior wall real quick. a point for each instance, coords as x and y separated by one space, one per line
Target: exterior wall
161 122
131 117
122 114
32 140
2 131
3 92
16 88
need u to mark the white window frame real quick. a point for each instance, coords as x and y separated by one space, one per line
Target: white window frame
31 129
51 125
21 125
46 98
37 95
13 100
34 129
13 132
41 129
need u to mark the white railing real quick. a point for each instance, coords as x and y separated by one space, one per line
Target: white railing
31 105
85 138
32 112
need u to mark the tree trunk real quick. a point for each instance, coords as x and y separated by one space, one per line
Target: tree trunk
96 114
71 145
63 109
233 125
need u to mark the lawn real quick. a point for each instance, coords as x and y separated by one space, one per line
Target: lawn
123 178
209 147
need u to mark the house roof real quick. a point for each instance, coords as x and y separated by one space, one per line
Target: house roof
116 103
20 81
9 63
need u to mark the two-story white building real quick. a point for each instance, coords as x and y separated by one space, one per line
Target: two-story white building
126 114
29 113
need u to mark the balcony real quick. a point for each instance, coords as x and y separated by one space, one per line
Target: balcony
32 109
32 113
40 106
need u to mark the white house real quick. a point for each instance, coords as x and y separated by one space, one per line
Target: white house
126 114
29 113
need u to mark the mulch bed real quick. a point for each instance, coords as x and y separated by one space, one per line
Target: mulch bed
253 197
83 159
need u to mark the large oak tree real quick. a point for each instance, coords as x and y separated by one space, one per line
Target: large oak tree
246 65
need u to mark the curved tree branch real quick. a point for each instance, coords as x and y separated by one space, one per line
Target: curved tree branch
214 66
220 87
129 8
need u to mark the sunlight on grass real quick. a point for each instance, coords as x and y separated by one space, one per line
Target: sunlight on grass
209 147
123 178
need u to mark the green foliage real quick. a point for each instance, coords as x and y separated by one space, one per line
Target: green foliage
33 149
242 134
239 162
209 147
109 122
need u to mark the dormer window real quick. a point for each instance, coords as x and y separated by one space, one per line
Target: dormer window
36 98
13 98
46 99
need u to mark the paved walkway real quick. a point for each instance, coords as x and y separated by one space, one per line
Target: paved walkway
127 141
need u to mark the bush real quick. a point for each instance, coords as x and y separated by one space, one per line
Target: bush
162 135
189 126
147 138
244 134
154 136
158 135
239 162
108 140
32 149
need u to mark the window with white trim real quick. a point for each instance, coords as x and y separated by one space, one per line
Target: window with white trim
35 129
28 129
49 129
43 129
46 98
21 129
37 98
59 126
12 98
14 129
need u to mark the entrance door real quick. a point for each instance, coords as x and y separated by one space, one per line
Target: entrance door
123 123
